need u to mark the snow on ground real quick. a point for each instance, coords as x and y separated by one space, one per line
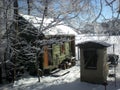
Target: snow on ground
46 81
71 80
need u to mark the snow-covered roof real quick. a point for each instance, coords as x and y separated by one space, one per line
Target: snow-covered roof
61 28
95 44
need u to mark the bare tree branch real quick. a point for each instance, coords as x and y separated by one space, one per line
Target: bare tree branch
101 7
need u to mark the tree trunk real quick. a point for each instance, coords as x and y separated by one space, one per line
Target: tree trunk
39 31
28 3
16 30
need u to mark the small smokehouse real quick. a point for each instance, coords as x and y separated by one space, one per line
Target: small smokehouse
93 61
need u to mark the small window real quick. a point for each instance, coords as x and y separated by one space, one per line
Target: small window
90 57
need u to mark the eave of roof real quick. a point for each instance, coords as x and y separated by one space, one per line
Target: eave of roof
93 44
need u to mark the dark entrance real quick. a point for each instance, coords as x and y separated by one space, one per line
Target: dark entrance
90 57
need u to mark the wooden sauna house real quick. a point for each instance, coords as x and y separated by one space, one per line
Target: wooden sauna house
93 61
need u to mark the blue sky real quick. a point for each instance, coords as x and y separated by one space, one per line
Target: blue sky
106 11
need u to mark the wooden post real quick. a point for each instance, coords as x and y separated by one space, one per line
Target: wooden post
78 53
115 74
105 85
113 48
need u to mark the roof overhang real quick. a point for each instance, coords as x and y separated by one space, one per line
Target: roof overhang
93 44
